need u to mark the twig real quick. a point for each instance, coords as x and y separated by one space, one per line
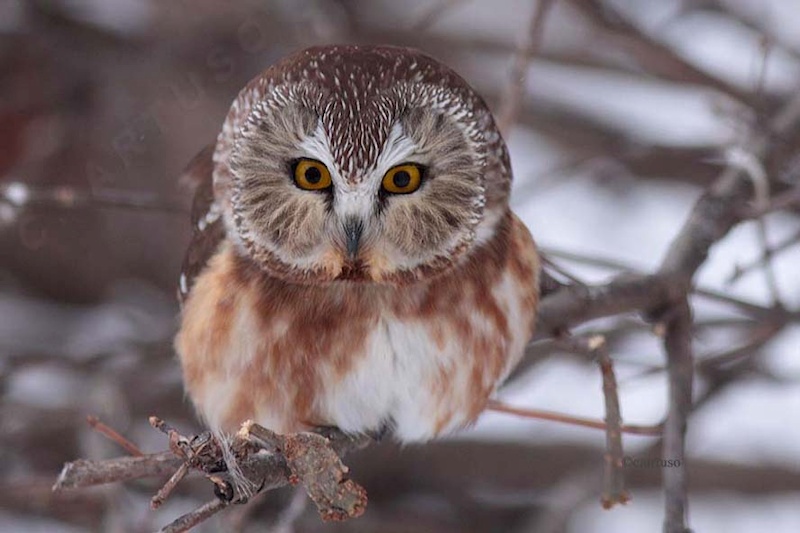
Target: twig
785 200
767 254
602 262
178 444
164 492
756 22
596 347
539 414
515 89
189 520
760 336
113 436
613 480
753 168
649 53
754 310
770 276
557 268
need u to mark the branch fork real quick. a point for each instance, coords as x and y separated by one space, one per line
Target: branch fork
254 458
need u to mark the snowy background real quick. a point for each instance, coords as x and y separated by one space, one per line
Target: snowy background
609 153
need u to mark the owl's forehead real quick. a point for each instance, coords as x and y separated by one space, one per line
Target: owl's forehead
360 93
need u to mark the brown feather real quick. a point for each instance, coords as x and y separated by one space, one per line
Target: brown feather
205 236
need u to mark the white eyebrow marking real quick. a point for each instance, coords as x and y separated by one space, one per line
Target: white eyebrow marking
397 148
317 146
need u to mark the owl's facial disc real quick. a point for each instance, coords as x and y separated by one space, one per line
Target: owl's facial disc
367 163
382 187
308 207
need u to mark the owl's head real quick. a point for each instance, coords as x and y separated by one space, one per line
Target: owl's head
374 164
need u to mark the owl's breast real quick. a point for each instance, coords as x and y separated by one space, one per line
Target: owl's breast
422 358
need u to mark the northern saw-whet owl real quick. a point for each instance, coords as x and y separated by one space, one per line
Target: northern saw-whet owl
354 262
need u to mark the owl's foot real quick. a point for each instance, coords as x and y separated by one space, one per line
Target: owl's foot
239 488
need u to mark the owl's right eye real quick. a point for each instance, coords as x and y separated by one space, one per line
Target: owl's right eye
311 175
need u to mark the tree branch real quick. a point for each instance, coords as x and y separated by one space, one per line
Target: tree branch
680 368
310 459
515 89
651 54
85 473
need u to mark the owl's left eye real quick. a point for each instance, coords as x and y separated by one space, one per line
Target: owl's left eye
311 175
403 179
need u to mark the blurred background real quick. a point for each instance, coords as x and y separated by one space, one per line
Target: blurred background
626 110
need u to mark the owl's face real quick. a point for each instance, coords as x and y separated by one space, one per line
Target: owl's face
361 164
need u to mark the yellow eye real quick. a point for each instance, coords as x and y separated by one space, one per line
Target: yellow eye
403 179
311 175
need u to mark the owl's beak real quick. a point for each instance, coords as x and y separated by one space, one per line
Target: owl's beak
353 228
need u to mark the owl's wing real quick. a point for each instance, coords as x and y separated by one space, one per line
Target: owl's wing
207 226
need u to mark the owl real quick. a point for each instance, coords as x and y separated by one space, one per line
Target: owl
354 261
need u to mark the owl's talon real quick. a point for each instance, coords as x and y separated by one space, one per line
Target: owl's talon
223 490
217 468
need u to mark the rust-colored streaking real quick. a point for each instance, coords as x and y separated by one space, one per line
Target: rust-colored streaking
255 347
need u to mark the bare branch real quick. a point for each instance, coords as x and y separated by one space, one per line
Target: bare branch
614 482
665 293
515 89
311 459
768 253
113 436
651 54
189 520
164 492
540 414
680 368
83 473
785 200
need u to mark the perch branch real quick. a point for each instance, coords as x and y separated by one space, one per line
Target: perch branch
84 473
310 459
